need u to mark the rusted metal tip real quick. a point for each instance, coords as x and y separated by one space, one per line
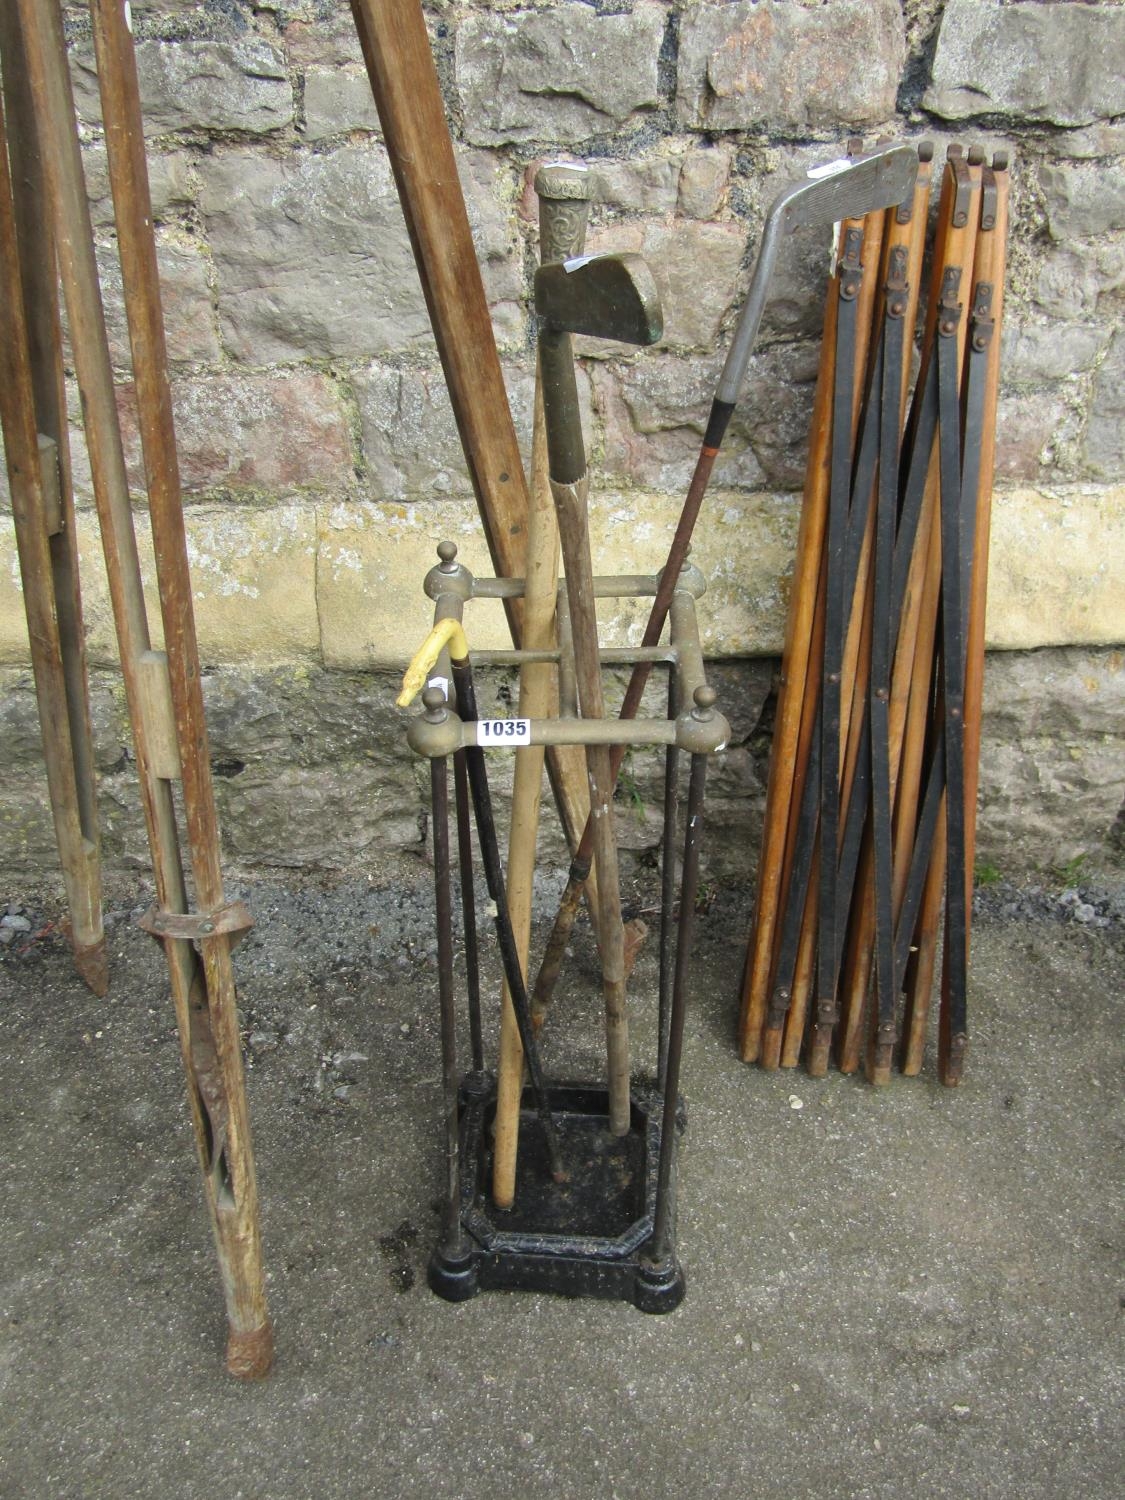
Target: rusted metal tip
1000 161
953 1065
817 1065
925 151
976 156
92 964
636 932
880 1074
250 1355
770 1055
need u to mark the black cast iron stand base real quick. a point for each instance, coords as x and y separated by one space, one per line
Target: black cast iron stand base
588 1237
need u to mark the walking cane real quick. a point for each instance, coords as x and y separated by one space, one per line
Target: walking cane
608 297
33 410
163 688
450 633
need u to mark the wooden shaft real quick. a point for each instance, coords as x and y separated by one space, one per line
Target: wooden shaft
873 227
988 266
791 695
404 82
235 1207
562 235
954 247
570 503
206 1051
32 410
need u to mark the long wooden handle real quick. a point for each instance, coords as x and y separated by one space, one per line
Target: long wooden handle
38 457
563 205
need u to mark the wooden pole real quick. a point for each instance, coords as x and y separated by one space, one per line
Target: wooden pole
38 456
202 987
564 195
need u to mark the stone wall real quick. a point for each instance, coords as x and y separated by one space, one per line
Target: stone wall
319 455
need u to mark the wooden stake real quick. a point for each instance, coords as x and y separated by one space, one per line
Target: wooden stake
563 205
38 455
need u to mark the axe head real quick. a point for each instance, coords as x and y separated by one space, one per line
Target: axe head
603 296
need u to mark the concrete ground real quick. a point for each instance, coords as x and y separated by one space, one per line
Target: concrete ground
910 1292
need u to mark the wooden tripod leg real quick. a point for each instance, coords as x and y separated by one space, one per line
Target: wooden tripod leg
35 404
160 690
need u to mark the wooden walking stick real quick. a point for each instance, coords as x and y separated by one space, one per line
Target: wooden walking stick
33 402
609 297
564 195
162 688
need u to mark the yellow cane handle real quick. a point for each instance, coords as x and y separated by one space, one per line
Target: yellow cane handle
445 633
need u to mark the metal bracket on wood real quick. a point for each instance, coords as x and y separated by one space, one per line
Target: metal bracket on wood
233 921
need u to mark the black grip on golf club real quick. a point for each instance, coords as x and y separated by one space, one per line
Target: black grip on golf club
717 422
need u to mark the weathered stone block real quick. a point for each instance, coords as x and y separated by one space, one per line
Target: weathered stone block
331 817
1105 431
1052 756
1035 352
704 177
240 85
410 440
1083 200
19 721
647 185
1073 281
1056 571
696 267
311 255
655 412
1039 59
253 586
561 74
338 100
1033 430
787 67
371 562
272 433
169 182
189 323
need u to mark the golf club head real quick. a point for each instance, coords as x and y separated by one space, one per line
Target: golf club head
603 296
843 189
849 187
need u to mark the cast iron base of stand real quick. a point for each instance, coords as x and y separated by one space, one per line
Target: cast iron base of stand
586 1237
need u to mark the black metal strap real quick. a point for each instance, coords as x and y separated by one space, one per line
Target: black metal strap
883 638
953 546
850 275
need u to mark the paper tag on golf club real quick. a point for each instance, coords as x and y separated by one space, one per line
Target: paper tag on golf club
830 168
502 734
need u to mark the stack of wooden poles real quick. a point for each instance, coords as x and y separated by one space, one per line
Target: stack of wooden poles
877 734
